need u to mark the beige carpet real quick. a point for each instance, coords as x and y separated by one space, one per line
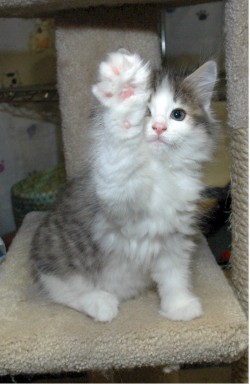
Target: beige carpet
37 337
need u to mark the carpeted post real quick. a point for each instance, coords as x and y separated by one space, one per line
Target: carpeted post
236 26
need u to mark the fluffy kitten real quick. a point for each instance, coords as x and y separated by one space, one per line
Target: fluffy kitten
129 219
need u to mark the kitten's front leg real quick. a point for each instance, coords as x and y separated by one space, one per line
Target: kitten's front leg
123 87
173 276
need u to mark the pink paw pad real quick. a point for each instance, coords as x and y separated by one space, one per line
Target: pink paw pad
127 92
116 71
109 94
127 124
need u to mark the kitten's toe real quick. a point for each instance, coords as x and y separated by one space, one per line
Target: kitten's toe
101 305
182 310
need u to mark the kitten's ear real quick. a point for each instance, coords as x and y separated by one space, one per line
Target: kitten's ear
203 81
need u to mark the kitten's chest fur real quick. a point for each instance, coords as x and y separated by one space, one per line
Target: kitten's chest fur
146 198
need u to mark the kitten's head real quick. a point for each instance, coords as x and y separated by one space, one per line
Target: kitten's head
179 115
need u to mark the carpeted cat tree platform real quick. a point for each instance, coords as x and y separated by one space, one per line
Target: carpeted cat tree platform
36 337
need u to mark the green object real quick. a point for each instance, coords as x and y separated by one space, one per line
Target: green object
37 192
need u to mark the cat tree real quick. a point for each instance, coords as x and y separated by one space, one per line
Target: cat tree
39 338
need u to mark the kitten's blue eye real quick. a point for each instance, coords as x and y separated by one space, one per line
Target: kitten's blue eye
178 114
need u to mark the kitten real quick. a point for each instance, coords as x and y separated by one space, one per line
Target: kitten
130 217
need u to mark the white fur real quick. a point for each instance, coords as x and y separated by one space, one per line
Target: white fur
77 293
148 189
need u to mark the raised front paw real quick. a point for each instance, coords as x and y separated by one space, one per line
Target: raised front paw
121 77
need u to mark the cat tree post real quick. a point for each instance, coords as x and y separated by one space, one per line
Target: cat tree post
96 31
236 25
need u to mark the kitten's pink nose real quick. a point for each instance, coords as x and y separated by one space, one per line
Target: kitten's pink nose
159 127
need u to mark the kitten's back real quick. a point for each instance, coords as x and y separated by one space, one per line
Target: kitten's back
63 243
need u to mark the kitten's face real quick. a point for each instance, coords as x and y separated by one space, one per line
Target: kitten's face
172 120
179 111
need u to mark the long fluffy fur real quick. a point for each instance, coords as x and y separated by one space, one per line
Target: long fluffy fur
130 217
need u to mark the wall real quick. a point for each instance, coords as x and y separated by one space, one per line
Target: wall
195 32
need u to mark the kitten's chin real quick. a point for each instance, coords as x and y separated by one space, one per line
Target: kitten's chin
158 145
